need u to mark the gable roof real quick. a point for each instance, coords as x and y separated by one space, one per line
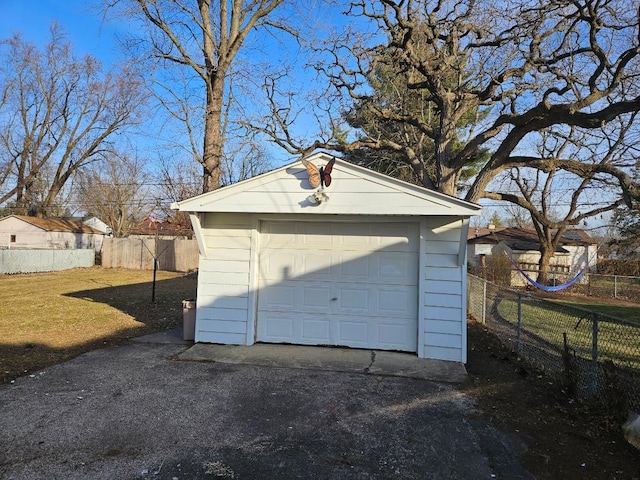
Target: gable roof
56 224
525 239
354 190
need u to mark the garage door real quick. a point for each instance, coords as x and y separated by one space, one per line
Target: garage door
352 284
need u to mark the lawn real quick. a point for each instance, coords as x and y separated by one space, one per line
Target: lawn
618 340
51 317
615 308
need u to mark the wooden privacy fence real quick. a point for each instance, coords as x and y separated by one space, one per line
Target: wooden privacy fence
175 255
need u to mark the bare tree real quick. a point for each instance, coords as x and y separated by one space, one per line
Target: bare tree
500 76
557 199
61 113
115 191
206 37
178 180
527 69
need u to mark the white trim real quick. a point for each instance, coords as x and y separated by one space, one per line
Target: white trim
197 231
463 314
462 252
422 234
252 308
343 218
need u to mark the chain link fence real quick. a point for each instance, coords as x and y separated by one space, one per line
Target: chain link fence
593 354
614 286
44 260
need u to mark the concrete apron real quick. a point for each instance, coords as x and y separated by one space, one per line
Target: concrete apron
336 359
373 362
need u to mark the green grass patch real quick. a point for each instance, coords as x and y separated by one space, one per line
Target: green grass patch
618 341
51 317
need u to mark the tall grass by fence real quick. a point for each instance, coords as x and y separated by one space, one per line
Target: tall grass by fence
175 255
595 354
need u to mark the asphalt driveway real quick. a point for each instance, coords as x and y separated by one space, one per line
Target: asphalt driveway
138 411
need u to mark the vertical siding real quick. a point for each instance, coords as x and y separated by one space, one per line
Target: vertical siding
223 279
443 313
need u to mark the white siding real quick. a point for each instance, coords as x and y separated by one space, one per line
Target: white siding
444 318
225 289
223 279
353 191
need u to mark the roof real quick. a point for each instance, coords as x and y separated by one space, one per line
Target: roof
354 190
57 224
525 239
168 226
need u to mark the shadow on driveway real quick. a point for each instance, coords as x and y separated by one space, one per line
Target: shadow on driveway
133 411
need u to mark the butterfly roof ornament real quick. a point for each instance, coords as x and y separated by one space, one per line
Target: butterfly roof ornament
319 177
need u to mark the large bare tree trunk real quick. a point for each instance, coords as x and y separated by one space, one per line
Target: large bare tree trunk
213 142
544 265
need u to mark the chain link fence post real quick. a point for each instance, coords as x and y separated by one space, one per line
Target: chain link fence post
519 331
594 355
484 301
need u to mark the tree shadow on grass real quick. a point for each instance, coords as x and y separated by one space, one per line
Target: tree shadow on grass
136 299
165 313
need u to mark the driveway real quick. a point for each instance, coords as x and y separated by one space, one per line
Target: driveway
144 411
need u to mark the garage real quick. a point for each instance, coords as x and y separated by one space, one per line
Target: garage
339 284
357 260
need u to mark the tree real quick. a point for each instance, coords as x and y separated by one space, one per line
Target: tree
515 72
205 37
626 241
59 114
179 179
114 191
408 152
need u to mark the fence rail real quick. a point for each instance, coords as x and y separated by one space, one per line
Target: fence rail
177 255
593 353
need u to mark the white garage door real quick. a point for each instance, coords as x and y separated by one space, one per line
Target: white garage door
352 284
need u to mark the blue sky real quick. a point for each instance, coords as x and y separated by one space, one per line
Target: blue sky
87 32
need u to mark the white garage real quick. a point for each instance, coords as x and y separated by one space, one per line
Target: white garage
366 262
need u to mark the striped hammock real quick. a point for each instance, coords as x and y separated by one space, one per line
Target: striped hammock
547 288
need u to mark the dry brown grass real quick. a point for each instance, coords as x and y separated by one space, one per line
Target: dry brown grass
47 318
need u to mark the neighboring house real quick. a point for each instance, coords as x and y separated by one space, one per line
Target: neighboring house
166 229
575 251
376 263
95 222
22 232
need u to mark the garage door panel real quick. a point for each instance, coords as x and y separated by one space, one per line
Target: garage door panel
353 333
314 265
398 267
277 267
339 284
355 299
394 336
316 331
316 296
397 302
278 296
355 267
278 328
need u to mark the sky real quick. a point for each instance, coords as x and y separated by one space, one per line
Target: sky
32 18
81 21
